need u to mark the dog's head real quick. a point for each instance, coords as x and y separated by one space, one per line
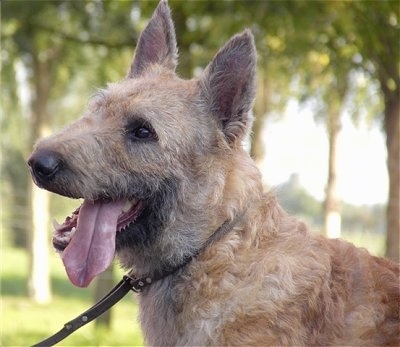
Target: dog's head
149 153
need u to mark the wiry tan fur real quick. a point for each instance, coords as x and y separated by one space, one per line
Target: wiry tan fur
269 281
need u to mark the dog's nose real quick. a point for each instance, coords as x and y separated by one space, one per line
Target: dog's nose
44 165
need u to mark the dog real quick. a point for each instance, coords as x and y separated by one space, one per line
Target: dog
169 189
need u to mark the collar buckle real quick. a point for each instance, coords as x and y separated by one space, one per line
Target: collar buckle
137 284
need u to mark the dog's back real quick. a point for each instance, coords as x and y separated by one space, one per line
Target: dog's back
272 282
369 289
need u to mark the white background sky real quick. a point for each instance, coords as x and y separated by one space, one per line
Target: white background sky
296 144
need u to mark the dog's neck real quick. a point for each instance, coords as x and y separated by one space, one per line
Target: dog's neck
224 229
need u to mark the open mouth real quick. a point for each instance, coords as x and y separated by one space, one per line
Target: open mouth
86 239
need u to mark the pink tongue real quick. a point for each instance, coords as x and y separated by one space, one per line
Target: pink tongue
92 247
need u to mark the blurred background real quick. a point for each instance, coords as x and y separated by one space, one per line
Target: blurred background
326 134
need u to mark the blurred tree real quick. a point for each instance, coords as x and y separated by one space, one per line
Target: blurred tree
373 29
34 45
376 32
332 217
364 218
346 38
295 199
26 52
355 219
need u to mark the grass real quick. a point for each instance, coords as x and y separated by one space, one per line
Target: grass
24 323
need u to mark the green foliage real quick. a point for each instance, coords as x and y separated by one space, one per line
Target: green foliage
297 201
364 218
360 224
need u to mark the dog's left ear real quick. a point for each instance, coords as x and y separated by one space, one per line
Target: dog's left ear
157 43
228 85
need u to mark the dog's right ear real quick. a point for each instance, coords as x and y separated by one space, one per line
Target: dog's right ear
228 86
157 43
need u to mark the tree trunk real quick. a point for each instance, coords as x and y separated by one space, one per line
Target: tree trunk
104 283
39 273
392 128
260 109
332 216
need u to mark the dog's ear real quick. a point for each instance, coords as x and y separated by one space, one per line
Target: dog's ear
228 85
157 43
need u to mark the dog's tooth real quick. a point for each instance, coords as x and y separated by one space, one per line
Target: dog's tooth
127 206
72 231
56 225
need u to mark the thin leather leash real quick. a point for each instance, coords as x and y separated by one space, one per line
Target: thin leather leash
129 282
115 295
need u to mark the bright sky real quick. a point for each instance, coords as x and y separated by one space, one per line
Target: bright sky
296 144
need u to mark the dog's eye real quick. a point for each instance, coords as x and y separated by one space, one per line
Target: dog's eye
141 131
